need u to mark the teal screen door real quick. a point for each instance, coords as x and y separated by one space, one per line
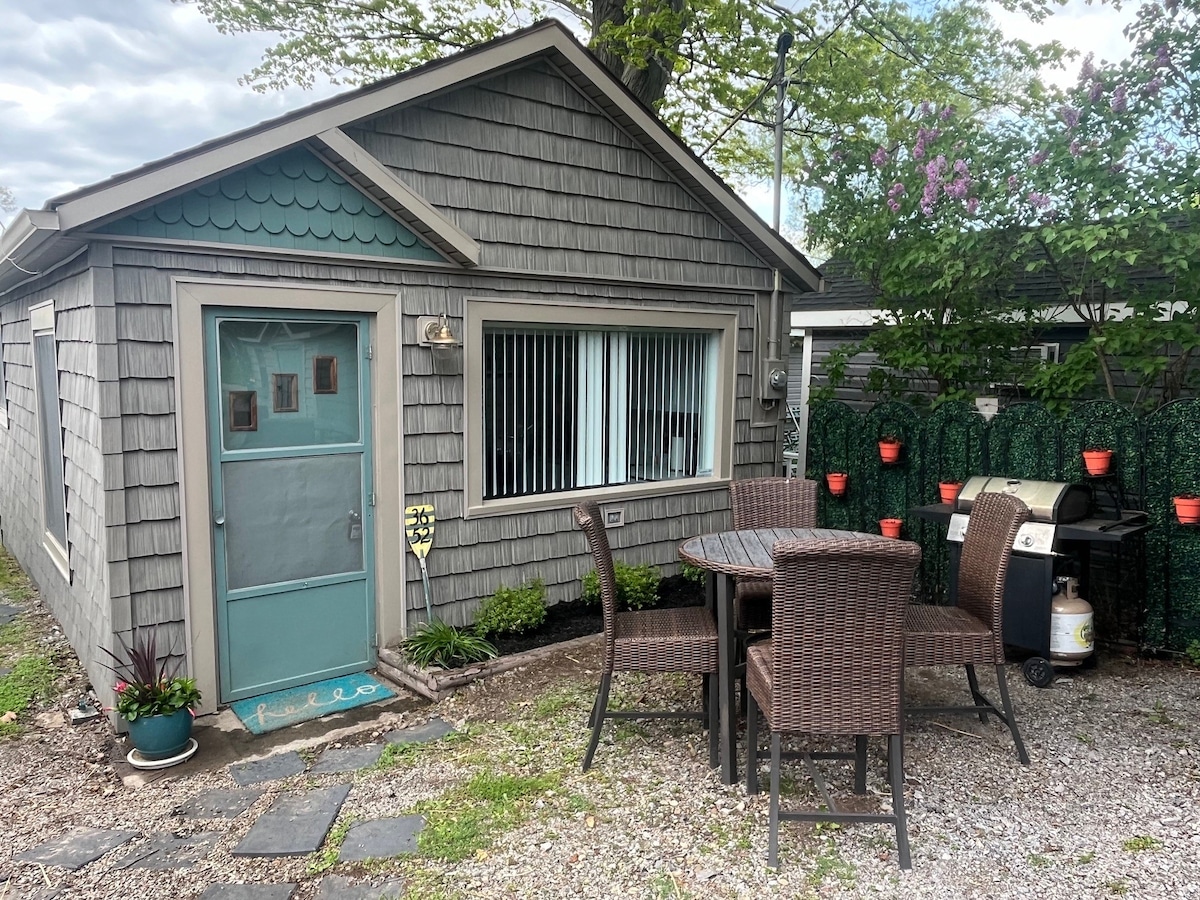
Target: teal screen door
290 455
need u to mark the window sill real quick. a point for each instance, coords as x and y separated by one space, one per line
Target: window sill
567 499
58 555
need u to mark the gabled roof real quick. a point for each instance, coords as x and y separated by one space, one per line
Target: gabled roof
319 125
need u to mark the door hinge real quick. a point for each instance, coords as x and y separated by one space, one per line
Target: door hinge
370 352
371 499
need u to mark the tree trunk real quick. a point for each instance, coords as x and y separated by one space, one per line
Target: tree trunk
645 75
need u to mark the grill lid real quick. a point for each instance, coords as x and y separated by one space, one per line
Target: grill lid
1048 501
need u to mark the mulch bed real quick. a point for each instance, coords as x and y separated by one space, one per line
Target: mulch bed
575 619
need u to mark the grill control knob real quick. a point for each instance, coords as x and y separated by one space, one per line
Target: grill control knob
1027 541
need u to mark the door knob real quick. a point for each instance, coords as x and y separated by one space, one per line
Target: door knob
219 520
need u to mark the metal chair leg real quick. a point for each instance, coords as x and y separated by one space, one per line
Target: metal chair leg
860 764
896 776
1010 715
776 760
751 745
976 696
714 719
597 718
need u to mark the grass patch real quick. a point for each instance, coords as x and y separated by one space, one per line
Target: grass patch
32 677
467 818
1141 842
665 886
831 865
327 858
14 585
1085 858
1159 715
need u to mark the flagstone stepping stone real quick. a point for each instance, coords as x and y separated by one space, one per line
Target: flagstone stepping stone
218 804
272 768
347 759
76 849
338 887
295 824
382 838
248 892
432 730
8 613
168 851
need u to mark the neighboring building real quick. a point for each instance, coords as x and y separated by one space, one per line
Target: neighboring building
219 395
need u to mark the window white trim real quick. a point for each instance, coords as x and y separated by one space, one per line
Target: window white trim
41 324
3 383
569 313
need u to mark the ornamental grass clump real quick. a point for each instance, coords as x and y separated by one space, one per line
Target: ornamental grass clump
513 610
436 644
144 688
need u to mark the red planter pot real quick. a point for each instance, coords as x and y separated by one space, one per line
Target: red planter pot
1187 510
890 528
836 482
948 490
889 451
1097 462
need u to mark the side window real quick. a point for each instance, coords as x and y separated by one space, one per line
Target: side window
50 443
3 384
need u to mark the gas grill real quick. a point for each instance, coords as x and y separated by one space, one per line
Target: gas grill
1064 524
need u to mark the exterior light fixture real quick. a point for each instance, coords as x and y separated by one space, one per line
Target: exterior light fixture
435 332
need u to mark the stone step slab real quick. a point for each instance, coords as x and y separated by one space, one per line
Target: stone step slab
435 729
382 838
248 892
218 804
272 768
165 851
295 825
336 760
338 887
76 849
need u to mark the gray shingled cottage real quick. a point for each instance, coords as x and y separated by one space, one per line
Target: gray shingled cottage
219 393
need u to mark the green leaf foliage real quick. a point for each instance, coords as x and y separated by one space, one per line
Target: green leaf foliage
513 610
436 644
637 586
144 686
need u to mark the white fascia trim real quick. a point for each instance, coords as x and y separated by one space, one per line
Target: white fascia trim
193 168
464 247
28 231
870 318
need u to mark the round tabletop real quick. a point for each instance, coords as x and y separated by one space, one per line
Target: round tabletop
748 551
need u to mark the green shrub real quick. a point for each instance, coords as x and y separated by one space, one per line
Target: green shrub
438 644
513 610
692 573
1193 653
637 586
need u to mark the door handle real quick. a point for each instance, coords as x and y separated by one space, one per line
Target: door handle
219 520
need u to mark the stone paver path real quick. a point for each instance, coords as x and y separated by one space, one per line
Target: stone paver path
296 824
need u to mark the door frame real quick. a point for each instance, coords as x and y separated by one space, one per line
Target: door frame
190 297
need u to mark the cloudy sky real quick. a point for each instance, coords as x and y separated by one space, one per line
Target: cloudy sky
89 88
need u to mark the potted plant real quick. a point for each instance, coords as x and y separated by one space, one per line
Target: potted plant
889 448
157 706
1097 460
948 490
836 482
1187 509
890 527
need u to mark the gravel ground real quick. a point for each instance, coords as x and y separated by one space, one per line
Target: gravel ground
1109 806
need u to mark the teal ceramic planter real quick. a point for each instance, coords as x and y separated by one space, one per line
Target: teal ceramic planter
160 737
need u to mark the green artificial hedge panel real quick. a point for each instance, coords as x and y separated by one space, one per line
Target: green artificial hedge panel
1103 424
1172 467
835 439
892 489
1023 442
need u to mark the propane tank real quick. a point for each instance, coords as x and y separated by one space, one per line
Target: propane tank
1071 636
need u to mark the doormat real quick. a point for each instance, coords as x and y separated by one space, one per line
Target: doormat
267 712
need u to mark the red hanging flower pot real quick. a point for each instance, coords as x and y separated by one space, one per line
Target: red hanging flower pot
1187 509
948 490
889 449
1097 462
836 482
890 528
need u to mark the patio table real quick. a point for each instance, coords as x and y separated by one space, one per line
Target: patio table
727 555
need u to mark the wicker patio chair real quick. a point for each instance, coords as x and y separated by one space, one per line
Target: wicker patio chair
767 503
971 633
834 666
651 640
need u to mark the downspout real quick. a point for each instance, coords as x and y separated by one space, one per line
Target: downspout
781 48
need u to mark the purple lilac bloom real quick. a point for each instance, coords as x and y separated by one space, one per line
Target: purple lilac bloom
1119 101
960 167
1088 69
1075 149
927 209
879 157
946 113
1153 86
1165 147
972 205
1038 158
958 188
1162 58
925 107
893 206
897 190
1013 182
1095 92
1038 201
1069 115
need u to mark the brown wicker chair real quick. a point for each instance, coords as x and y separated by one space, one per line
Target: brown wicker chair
834 666
972 632
767 503
652 640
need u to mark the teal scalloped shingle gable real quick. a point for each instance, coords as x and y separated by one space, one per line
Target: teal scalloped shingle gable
290 201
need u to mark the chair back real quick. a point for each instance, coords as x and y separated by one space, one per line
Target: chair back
983 563
773 503
837 624
587 515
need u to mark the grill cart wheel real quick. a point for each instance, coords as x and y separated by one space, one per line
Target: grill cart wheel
1038 671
